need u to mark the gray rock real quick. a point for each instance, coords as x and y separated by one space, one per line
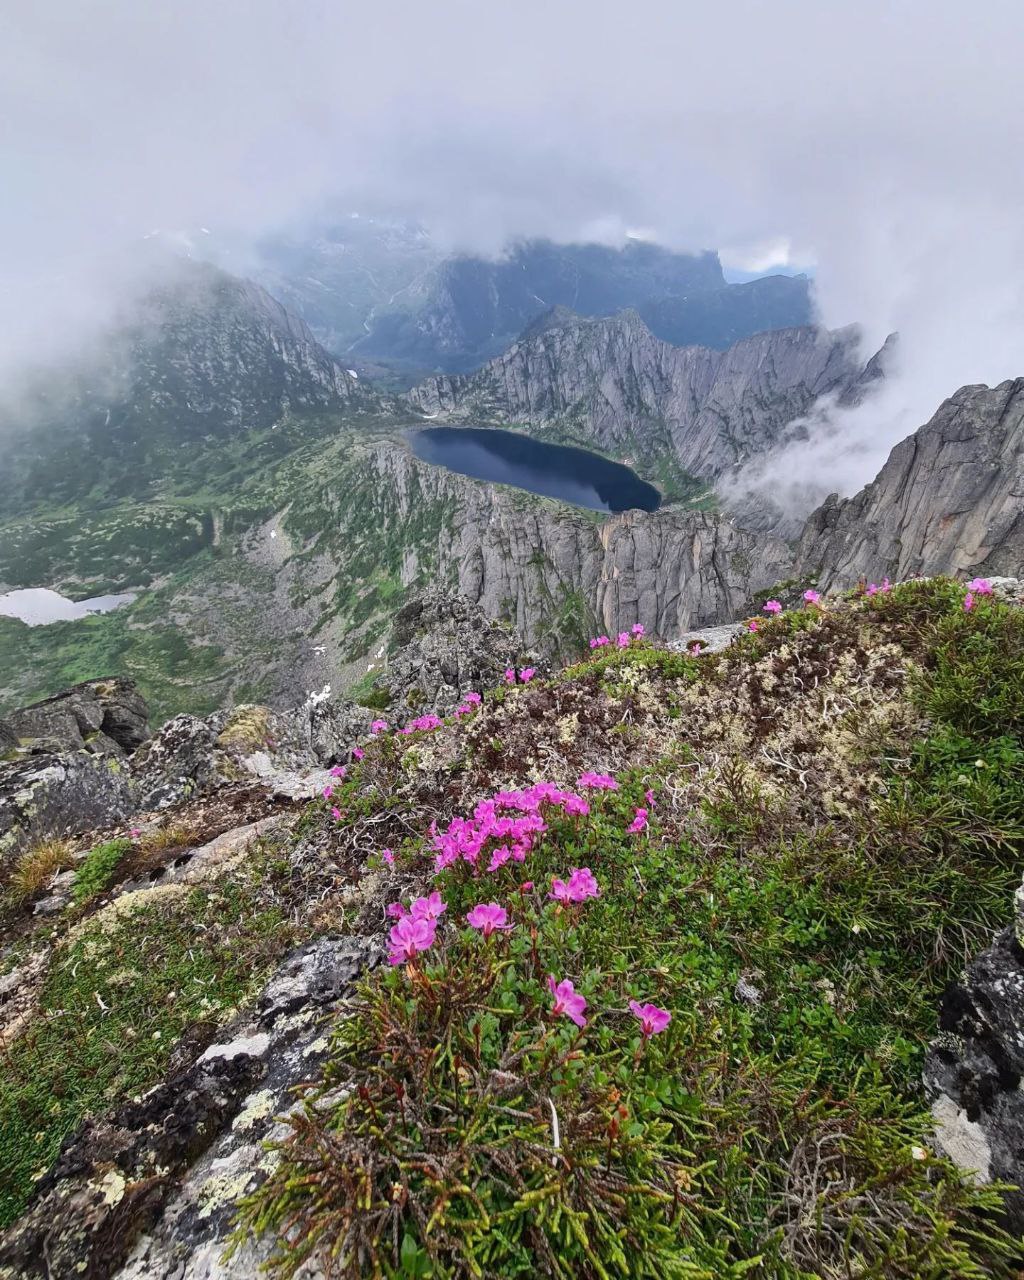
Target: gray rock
950 499
106 716
55 795
974 1069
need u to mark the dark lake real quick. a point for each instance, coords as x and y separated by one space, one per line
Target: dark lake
557 471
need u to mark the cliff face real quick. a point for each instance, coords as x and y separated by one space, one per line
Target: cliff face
552 570
613 383
948 500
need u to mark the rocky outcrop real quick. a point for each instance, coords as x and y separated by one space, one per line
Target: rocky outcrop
108 716
612 383
950 499
974 1069
557 573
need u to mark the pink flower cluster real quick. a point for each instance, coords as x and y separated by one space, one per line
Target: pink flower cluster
873 589
416 928
976 587
580 886
772 606
526 675
622 640
423 723
597 781
379 726
468 705
510 837
812 597
639 821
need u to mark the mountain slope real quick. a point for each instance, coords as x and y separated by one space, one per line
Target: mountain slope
950 499
612 384
205 356
720 317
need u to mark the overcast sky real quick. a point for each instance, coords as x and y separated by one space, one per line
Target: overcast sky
881 141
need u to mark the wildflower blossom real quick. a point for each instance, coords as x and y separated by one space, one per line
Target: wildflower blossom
473 698
135 832
328 792
637 628
510 675
812 597
695 649
872 589
358 753
980 586
409 935
396 910
566 1002
527 674
428 908
422 723
576 806
772 606
649 797
638 823
652 1019
338 771
886 586
580 886
593 642
379 726
752 624
968 602
597 781
335 813
623 639
388 857
488 916
463 709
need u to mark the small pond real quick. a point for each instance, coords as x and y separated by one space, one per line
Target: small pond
39 605
556 471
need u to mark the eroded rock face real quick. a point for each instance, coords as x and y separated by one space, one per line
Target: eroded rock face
620 387
974 1069
950 499
44 795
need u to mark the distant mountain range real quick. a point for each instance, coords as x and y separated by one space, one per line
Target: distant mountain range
381 292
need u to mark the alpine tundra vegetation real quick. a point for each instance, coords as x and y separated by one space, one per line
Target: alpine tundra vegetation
668 940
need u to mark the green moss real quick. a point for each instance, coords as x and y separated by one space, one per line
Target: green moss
97 870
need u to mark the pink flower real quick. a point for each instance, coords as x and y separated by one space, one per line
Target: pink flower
567 1002
649 797
580 886
358 753
772 606
526 886
575 806
473 698
463 709
637 628
623 639
335 813
510 676
752 624
652 1019
328 792
396 910
379 726
135 832
338 771
812 597
695 649
597 781
593 642
409 935
872 589
638 823
388 857
527 674
968 602
886 586
429 908
602 641
980 586
488 916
